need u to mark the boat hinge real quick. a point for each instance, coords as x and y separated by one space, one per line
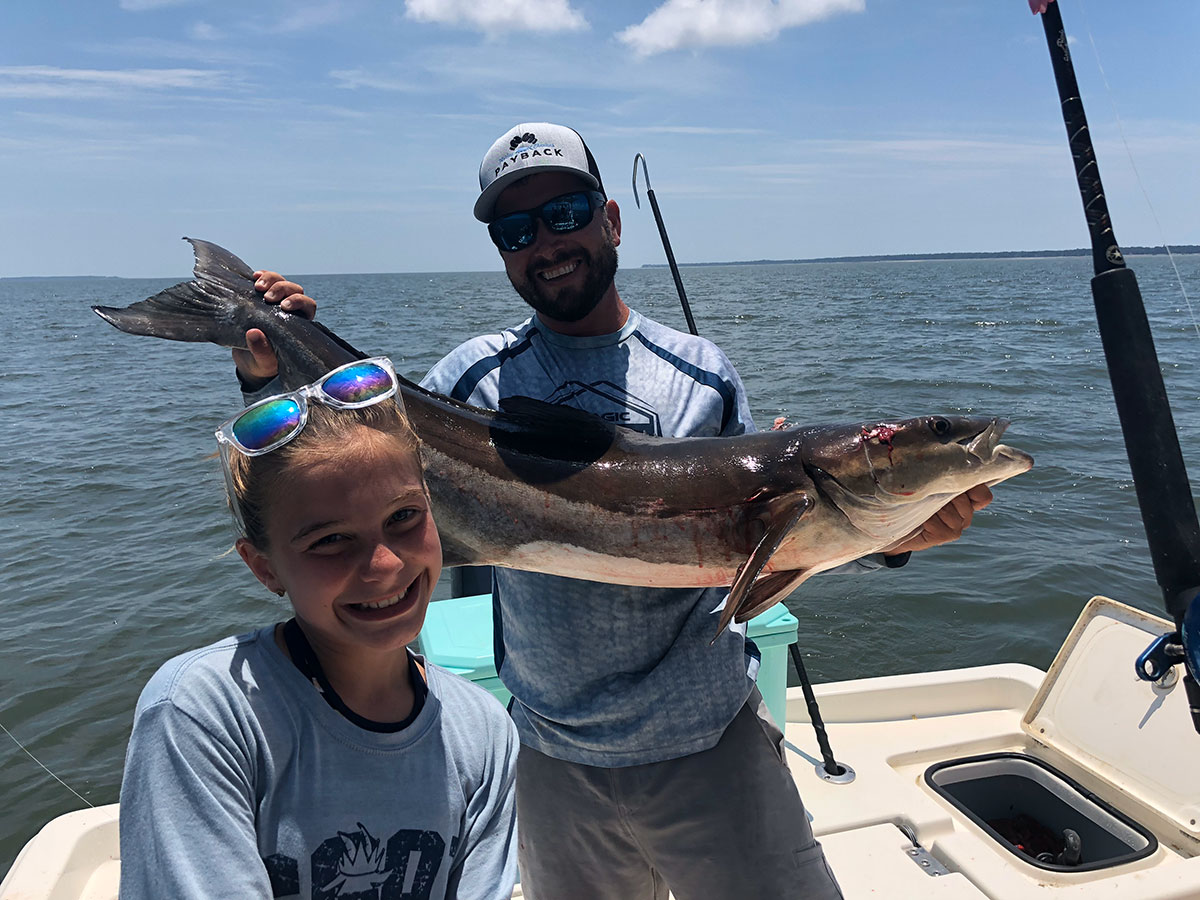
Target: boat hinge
920 856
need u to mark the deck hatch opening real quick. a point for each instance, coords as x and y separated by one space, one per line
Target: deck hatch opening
1031 809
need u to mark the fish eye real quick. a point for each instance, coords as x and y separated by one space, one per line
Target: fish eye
940 426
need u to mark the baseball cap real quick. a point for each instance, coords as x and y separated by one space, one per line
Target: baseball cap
527 149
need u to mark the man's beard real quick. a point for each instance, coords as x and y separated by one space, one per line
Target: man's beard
568 304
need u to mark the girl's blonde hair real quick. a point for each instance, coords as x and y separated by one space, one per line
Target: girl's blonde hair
255 481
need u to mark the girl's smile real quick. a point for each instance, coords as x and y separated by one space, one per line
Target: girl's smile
352 541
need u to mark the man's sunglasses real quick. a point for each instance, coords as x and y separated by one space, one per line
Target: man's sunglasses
563 214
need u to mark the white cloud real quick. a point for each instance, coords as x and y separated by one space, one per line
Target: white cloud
202 31
310 17
41 82
494 16
705 130
189 49
360 78
143 5
706 23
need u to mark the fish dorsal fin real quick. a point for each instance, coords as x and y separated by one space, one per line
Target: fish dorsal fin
554 418
543 442
782 515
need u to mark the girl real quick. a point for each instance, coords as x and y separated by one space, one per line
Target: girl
319 758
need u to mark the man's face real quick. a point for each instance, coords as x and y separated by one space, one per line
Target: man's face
562 276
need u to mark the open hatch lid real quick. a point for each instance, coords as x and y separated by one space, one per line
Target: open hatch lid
1133 734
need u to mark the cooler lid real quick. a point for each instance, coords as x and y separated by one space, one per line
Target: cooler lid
1133 734
457 634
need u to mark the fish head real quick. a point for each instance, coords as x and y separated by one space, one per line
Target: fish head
888 477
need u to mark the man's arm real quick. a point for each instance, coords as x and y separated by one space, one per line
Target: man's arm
257 365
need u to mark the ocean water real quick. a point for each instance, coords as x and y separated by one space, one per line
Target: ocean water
115 540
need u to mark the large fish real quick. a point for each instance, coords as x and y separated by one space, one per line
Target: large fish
548 488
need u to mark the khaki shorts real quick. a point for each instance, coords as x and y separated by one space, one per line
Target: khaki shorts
723 824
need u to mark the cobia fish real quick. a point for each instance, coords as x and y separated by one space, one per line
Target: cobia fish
549 488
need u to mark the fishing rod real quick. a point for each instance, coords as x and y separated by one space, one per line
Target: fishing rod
662 233
1151 441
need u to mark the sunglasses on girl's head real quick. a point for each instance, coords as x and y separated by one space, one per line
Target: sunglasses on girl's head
273 422
563 214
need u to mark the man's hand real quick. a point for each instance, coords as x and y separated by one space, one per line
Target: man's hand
257 363
948 523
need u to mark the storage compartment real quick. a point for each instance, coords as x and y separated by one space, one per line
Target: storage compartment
1039 814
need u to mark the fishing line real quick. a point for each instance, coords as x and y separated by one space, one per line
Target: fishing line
51 774
1133 165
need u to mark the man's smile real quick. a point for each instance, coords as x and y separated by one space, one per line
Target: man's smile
559 271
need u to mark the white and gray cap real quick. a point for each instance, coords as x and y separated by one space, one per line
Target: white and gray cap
527 149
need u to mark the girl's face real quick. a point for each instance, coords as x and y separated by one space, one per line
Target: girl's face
352 540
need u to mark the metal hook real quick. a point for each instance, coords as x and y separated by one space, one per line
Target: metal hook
662 233
645 172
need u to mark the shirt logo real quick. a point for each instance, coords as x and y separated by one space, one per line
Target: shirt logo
611 403
362 866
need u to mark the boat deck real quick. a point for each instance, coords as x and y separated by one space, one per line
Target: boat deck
1123 742
874 726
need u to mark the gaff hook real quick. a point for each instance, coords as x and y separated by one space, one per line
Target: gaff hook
662 233
645 172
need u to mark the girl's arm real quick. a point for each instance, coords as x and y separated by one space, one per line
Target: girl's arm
187 813
486 867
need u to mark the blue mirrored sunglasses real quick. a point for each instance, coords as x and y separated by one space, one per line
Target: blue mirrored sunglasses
563 214
271 423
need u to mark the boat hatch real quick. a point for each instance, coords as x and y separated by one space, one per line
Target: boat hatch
1122 732
1039 814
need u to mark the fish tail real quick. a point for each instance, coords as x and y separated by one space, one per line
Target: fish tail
212 308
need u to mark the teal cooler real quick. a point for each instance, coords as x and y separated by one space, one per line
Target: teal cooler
458 636
772 632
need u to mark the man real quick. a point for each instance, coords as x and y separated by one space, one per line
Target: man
648 759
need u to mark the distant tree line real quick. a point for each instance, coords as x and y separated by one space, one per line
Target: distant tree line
1000 254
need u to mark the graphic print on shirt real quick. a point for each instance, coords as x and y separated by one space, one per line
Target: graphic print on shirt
284 874
357 865
610 402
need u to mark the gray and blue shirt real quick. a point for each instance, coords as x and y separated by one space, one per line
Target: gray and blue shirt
241 781
601 674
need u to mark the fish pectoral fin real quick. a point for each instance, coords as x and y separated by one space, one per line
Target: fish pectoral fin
455 553
782 515
769 590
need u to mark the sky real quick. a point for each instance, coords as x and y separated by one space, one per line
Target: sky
315 136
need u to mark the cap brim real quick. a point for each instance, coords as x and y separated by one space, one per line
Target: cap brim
486 204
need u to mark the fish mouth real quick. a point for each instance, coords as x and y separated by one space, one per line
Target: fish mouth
986 448
984 445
